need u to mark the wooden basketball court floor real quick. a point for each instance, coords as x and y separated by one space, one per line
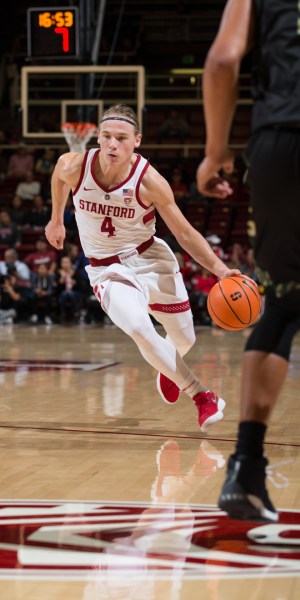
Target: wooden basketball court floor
107 492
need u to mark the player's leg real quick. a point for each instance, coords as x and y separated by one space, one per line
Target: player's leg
127 307
179 329
274 180
270 373
169 304
180 332
267 354
265 366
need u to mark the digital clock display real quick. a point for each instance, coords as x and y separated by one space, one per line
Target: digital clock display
53 33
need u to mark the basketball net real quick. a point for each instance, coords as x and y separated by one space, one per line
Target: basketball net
77 135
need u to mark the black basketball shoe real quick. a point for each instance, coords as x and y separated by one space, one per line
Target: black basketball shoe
244 494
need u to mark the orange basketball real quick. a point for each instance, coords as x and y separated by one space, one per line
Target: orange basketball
234 303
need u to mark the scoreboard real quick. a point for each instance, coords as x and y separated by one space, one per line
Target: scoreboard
53 32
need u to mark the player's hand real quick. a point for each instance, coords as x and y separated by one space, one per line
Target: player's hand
226 272
248 279
55 234
209 180
236 273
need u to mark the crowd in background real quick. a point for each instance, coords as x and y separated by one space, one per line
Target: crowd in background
40 285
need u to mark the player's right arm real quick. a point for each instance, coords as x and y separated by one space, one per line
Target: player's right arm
64 178
156 190
220 91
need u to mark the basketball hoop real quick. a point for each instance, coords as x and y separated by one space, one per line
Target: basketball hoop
77 135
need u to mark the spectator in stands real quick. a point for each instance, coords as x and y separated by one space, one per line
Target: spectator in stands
174 126
39 215
42 255
72 251
11 262
6 316
79 262
215 244
69 217
45 165
9 234
16 211
249 266
29 187
237 255
20 162
68 290
93 312
14 295
43 295
187 268
202 281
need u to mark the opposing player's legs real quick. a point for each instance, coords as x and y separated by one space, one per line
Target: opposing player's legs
265 364
127 307
274 179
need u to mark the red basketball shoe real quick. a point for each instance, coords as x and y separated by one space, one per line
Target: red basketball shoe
167 389
209 407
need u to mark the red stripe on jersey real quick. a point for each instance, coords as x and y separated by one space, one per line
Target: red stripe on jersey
97 293
81 173
171 308
149 216
137 189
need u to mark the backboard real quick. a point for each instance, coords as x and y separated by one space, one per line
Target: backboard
51 95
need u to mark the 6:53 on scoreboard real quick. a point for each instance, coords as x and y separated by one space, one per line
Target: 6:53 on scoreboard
53 32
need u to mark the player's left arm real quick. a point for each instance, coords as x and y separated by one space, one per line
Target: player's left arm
220 90
64 178
156 190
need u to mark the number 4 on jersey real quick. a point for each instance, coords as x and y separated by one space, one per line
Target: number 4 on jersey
107 227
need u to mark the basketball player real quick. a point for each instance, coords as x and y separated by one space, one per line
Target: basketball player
133 273
273 152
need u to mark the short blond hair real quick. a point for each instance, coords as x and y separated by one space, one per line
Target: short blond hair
124 112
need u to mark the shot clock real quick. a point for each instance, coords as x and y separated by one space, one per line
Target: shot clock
53 32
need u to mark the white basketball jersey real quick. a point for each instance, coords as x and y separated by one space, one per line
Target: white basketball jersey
115 220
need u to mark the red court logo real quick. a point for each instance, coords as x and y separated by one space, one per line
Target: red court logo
108 540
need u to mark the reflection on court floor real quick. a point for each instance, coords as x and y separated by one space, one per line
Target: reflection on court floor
123 546
107 492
